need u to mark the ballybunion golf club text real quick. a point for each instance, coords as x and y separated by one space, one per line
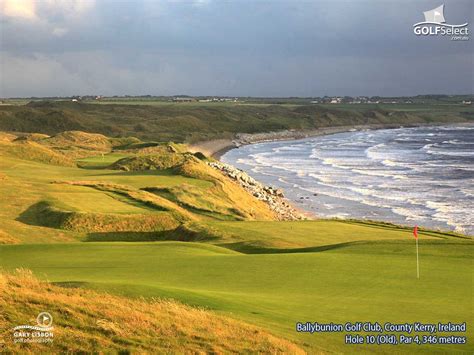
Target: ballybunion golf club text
391 333
417 327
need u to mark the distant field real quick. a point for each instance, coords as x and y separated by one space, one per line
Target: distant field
158 120
415 107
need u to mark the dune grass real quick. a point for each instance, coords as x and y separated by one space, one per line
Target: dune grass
95 193
121 325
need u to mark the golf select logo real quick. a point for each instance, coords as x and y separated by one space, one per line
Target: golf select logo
42 332
435 25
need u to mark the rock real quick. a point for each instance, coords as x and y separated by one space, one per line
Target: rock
268 194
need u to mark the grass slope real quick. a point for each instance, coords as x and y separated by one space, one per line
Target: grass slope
255 237
116 324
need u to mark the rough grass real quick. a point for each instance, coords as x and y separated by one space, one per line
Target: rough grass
224 196
78 144
79 139
44 213
35 137
7 137
6 238
87 321
33 151
60 149
157 161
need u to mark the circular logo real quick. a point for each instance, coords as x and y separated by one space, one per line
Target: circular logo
44 319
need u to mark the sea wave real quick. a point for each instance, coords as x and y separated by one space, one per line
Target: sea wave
418 175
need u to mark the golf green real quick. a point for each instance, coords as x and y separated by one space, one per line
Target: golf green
372 281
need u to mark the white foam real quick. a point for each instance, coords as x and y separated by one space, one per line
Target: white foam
388 162
408 213
391 179
451 154
374 154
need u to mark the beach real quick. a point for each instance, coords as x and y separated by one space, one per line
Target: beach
216 148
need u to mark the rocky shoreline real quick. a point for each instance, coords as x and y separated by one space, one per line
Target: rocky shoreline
272 196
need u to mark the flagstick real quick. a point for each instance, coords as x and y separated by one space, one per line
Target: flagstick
417 262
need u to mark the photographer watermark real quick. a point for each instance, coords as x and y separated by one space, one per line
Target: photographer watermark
42 332
435 25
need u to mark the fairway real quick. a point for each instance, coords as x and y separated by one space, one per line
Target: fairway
371 281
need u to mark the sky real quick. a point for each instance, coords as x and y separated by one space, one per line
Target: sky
230 48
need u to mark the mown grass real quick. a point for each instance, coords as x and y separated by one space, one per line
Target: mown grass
300 236
100 161
364 281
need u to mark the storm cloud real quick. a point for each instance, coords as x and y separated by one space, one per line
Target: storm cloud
234 48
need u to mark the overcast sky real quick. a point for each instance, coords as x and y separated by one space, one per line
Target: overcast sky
234 48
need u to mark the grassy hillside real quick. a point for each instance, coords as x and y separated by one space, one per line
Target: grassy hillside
73 202
117 324
195 122
181 230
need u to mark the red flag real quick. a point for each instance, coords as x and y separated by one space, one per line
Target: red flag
415 232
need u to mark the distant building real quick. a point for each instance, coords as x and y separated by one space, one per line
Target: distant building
183 99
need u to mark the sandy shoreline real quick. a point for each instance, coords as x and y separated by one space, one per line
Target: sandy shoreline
216 148
213 148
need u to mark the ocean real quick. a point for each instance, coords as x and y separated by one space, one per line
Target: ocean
408 176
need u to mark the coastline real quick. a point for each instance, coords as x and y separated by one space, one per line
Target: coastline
289 135
216 148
